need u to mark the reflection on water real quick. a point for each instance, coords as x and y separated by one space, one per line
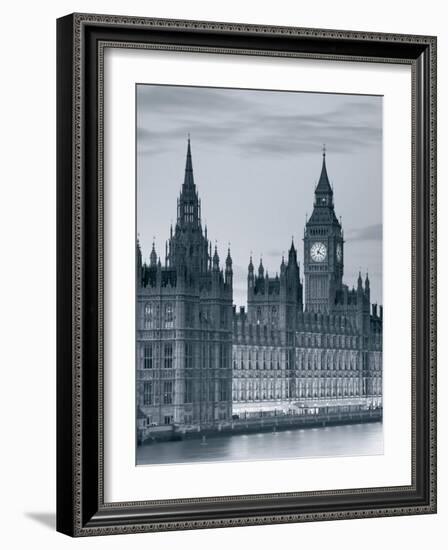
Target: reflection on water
351 440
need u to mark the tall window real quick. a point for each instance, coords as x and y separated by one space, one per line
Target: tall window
169 315
189 315
274 316
188 395
149 316
168 356
167 392
148 359
223 356
206 356
223 315
223 390
147 393
188 355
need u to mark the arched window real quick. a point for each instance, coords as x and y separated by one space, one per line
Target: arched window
169 315
149 316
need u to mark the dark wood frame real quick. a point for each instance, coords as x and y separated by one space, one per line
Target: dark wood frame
81 510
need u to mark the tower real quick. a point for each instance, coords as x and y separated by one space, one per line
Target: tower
184 337
188 246
323 249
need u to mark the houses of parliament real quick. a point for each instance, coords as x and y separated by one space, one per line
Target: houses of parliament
297 349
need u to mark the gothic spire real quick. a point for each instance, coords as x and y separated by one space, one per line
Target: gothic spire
323 186
359 281
229 260
139 251
282 265
292 255
153 256
229 271
293 248
188 208
188 178
216 259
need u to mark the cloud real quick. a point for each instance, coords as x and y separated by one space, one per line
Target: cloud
187 99
368 233
254 122
343 130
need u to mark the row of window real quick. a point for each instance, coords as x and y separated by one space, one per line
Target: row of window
328 361
310 362
189 213
152 317
327 341
254 390
334 388
167 392
150 358
256 361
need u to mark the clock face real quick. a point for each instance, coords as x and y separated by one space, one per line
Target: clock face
318 252
339 253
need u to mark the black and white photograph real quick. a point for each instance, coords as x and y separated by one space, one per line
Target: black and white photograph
259 274
222 241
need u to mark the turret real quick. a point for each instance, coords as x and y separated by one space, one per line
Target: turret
250 277
188 240
138 268
261 269
292 256
282 267
153 256
359 283
367 287
189 208
229 271
323 192
216 260
159 273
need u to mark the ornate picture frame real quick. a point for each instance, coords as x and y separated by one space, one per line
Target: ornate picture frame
81 506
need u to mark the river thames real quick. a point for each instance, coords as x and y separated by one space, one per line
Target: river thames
348 440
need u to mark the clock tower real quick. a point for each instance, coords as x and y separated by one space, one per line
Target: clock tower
323 249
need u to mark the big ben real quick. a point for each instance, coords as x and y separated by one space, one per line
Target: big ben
323 249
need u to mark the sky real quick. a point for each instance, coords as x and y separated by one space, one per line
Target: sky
257 157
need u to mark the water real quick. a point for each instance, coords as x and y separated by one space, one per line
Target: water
349 440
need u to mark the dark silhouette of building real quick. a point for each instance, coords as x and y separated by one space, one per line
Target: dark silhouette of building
202 364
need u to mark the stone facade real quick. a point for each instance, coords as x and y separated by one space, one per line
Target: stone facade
200 363
184 324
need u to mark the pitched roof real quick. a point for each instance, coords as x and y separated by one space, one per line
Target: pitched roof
324 183
188 178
